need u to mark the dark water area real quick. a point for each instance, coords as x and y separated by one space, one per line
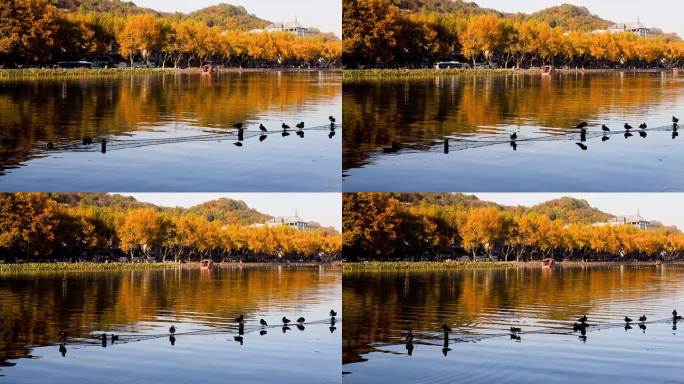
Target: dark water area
172 132
480 305
395 130
140 306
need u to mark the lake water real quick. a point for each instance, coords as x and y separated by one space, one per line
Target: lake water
140 306
172 132
395 130
481 305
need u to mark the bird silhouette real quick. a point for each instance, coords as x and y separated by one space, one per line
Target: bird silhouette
332 119
643 126
627 126
333 313
300 125
514 136
172 329
584 147
240 319
262 128
627 320
516 330
675 315
582 125
301 320
237 125
675 119
62 334
50 145
263 322
114 338
285 126
286 320
87 140
642 318
409 336
605 128
583 319
446 328
628 135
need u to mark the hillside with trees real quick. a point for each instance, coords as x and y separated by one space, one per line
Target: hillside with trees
380 226
97 227
109 32
378 33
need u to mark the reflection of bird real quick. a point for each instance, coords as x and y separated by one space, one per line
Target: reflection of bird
627 327
582 125
300 125
409 336
285 328
286 133
605 128
239 339
262 137
238 144
674 134
262 332
331 134
300 134
50 145
627 126
240 319
172 340
584 147
285 126
332 329
446 328
643 134
263 322
333 313
514 136
627 320
409 348
605 138
642 318
332 119
62 350
515 337
172 329
627 135
262 128
301 320
642 326
300 327
643 126
286 320
514 145
516 330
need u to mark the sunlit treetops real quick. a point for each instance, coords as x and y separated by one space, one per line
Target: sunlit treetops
377 32
384 226
36 32
41 227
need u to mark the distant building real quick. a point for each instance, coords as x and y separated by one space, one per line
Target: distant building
633 220
292 27
289 221
636 28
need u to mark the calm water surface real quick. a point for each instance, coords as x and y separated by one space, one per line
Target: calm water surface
171 132
394 133
141 305
482 304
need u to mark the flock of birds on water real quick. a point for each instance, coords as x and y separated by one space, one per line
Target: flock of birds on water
581 326
262 133
514 139
112 338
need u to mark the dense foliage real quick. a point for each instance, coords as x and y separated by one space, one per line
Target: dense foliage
37 227
36 32
379 33
379 226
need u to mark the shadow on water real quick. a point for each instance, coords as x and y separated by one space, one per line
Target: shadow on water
498 323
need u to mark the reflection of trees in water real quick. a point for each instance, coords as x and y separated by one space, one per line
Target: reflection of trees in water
378 113
378 306
36 309
70 109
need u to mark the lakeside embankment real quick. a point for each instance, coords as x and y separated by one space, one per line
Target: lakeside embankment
374 266
94 267
407 73
61 73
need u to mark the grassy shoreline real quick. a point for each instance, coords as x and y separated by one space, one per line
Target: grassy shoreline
75 73
406 73
96 267
376 266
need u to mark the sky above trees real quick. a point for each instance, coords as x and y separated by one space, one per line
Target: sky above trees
324 208
325 15
663 14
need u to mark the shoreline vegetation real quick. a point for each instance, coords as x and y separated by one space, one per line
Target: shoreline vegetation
376 266
97 267
58 73
418 73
